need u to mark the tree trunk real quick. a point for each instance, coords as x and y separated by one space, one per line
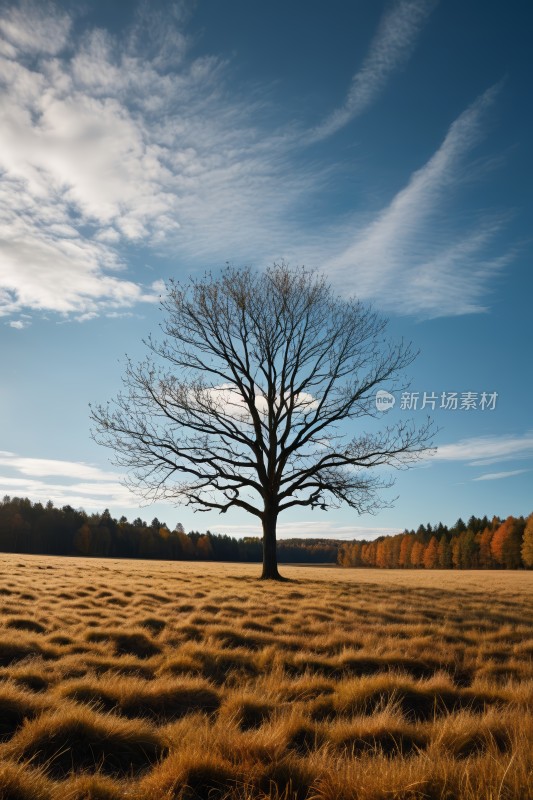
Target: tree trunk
270 556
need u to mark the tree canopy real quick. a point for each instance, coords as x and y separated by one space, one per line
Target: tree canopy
251 400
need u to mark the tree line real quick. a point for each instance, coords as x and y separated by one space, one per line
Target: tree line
34 528
478 544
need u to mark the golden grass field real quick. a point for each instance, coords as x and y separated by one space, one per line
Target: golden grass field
137 679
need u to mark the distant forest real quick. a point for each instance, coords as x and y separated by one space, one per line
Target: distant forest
27 527
477 544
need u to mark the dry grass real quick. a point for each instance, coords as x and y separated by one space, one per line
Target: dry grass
179 681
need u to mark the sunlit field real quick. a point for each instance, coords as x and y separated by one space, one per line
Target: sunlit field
124 679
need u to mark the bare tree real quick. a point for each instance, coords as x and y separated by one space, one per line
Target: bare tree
250 400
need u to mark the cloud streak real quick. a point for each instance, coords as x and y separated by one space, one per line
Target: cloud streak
406 257
390 49
325 529
64 482
484 450
496 476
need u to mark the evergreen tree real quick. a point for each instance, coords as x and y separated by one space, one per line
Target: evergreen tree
445 553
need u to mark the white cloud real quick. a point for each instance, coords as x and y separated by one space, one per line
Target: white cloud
390 49
406 258
92 497
317 529
229 401
484 450
47 467
63 482
45 266
104 145
47 32
108 142
496 476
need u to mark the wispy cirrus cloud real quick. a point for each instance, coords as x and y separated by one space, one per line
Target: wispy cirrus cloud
484 450
64 482
496 476
390 49
408 256
47 33
113 142
319 529
48 467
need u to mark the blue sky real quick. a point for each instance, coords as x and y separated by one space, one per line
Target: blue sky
386 144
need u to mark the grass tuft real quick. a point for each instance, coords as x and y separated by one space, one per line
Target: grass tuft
153 624
12 650
22 624
289 778
304 738
18 783
161 700
248 713
83 740
136 643
198 776
16 706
